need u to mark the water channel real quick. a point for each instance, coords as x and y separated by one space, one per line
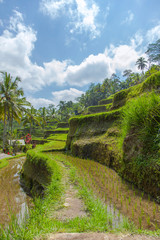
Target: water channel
13 200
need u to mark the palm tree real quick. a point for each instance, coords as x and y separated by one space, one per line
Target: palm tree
136 79
141 64
31 117
19 104
11 101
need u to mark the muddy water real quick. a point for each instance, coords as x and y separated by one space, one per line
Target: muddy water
13 200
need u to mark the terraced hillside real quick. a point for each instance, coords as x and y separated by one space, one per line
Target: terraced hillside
126 136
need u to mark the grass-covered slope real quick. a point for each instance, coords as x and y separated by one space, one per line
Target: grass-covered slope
126 139
150 84
38 169
98 108
90 125
140 141
58 137
55 131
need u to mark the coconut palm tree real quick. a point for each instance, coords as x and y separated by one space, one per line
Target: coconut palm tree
141 64
31 117
11 101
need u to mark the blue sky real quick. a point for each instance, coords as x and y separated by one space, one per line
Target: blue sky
58 47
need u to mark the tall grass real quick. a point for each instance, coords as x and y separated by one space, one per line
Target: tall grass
142 115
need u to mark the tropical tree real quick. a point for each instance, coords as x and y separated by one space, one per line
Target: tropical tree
135 78
30 117
127 73
43 113
153 52
128 81
141 63
111 85
9 107
65 110
51 111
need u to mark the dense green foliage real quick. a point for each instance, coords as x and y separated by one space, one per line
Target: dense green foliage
153 52
140 141
142 116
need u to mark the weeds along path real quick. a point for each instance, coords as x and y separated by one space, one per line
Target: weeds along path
106 184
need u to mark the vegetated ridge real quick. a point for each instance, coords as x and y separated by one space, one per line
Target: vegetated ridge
126 136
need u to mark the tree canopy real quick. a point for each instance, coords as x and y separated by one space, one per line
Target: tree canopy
153 52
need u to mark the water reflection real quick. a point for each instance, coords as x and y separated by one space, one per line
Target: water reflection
13 200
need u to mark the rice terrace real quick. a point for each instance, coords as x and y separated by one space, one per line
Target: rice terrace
83 170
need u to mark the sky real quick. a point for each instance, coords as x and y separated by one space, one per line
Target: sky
59 47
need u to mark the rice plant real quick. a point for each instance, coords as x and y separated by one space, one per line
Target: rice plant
148 220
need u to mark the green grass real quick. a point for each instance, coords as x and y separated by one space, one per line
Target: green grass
3 163
105 115
140 141
143 116
61 129
58 137
98 108
54 145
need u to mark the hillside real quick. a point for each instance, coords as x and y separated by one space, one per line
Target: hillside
125 136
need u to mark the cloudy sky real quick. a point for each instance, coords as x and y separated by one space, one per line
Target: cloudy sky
59 47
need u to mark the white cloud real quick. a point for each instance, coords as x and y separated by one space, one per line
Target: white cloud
54 8
16 22
82 14
16 46
95 68
1 1
137 40
54 71
123 57
84 18
66 95
39 102
92 69
129 18
153 34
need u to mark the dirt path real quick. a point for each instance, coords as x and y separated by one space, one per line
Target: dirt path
72 206
98 236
